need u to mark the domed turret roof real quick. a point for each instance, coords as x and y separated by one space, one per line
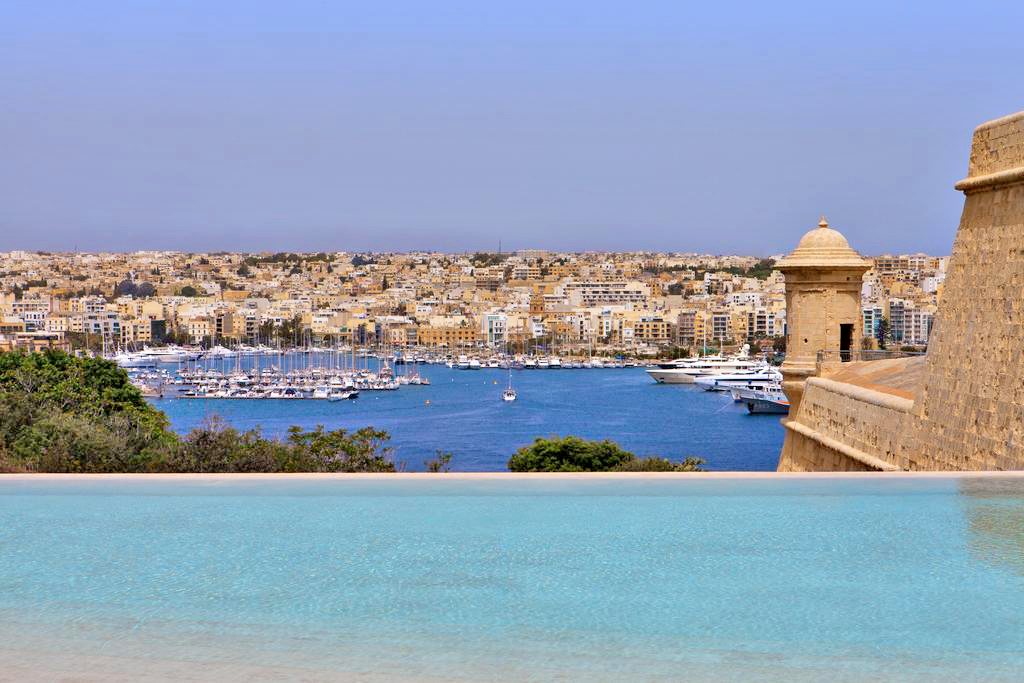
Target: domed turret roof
823 247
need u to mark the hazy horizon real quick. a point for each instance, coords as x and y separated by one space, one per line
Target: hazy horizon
570 126
470 252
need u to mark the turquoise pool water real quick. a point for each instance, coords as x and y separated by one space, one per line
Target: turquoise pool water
430 578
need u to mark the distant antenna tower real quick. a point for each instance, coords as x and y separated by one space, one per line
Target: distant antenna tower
499 246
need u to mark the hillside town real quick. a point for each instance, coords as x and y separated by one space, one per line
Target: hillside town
634 304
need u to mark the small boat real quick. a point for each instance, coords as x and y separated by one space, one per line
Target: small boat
770 401
341 394
509 394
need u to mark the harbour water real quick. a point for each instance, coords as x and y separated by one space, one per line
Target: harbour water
461 411
512 578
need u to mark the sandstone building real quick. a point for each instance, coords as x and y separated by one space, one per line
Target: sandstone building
959 407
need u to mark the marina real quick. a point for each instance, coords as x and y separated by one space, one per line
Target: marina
260 372
464 413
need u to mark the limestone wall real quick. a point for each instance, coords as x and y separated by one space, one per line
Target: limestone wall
969 411
842 427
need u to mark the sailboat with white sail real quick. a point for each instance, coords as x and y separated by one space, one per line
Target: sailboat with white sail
509 394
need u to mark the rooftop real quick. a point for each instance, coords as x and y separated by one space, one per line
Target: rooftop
823 246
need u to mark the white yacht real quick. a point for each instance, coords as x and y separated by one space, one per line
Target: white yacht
219 351
134 360
687 370
760 378
771 400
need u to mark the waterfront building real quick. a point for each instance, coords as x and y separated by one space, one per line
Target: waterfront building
621 302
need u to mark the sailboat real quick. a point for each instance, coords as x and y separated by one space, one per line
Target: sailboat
509 394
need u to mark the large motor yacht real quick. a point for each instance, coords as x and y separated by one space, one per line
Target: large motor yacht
760 378
686 370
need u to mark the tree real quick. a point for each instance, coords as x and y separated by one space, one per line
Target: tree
883 333
266 330
573 454
243 270
339 451
59 413
569 454
125 288
440 462
189 290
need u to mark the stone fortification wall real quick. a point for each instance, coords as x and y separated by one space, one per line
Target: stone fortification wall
969 410
842 427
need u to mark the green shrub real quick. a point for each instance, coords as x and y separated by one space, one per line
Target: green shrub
59 413
573 454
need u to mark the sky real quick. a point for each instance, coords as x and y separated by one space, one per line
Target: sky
723 127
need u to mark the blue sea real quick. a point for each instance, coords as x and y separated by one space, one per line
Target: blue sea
462 412
514 578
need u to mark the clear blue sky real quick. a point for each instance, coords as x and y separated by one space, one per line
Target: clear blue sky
301 125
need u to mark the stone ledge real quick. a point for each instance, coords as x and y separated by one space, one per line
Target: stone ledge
840 447
990 180
858 393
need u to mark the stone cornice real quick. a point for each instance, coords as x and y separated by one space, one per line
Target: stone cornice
991 180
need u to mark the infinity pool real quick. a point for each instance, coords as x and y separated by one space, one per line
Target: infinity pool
433 578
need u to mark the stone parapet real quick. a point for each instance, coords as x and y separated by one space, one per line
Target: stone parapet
997 146
845 427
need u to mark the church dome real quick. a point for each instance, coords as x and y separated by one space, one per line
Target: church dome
823 247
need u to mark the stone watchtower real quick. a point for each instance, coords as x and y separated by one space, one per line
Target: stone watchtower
823 310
